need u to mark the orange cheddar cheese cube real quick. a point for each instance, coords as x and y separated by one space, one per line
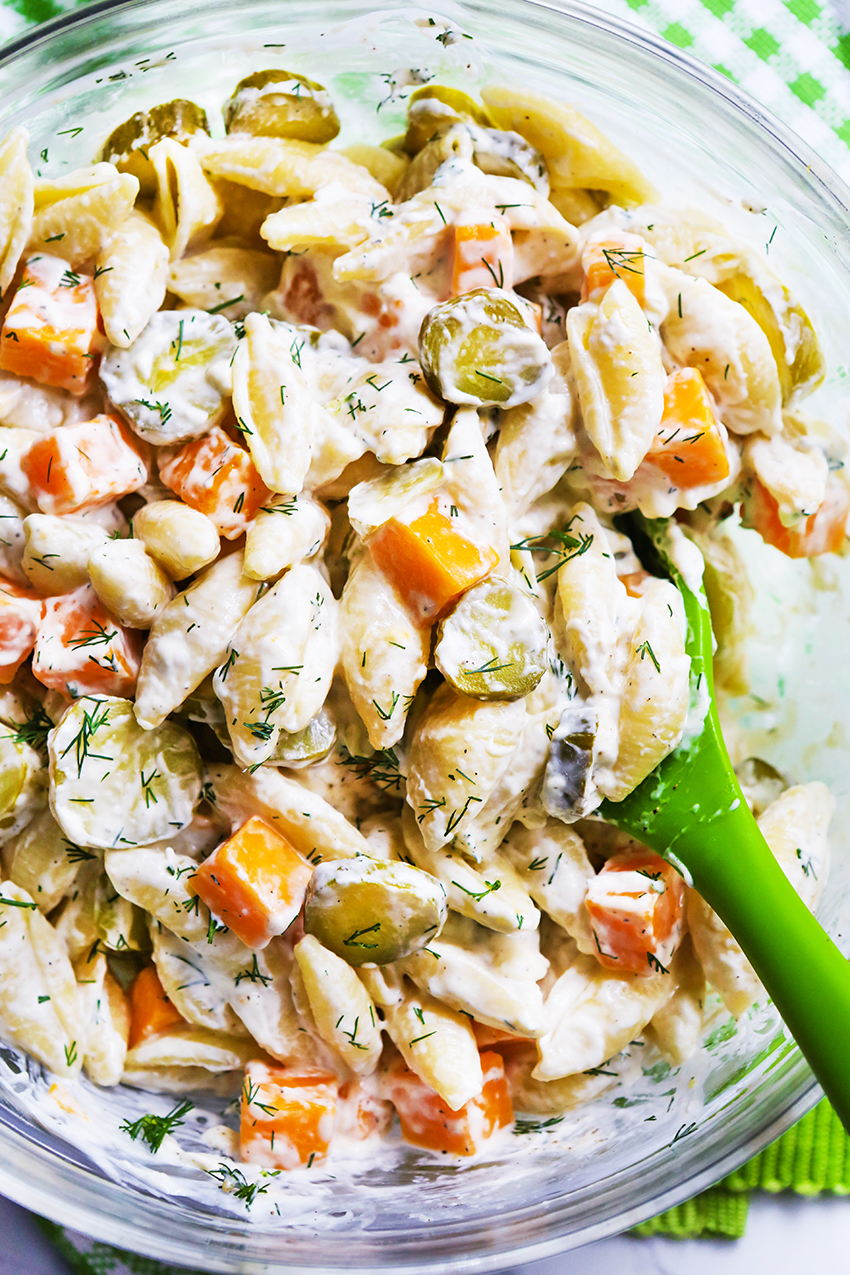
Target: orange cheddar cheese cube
216 476
84 465
688 447
20 615
426 1121
823 532
287 1117
50 332
636 905
616 255
80 649
254 882
483 256
428 562
151 1012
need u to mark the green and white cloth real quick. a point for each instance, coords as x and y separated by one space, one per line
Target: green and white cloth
793 57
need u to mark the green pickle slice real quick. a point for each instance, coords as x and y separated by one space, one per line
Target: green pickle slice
799 358
477 349
370 912
121 925
113 784
435 108
307 746
568 790
172 382
493 644
295 751
127 145
761 783
281 104
21 782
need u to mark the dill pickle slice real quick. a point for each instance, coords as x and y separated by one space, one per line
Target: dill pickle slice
171 383
493 644
114 784
478 350
568 789
281 104
21 782
422 169
370 912
435 108
799 358
293 750
203 705
127 145
120 925
307 746
760 783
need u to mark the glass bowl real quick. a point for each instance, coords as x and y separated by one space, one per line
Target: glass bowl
638 1147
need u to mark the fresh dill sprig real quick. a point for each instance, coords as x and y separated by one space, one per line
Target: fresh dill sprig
566 548
382 712
163 408
34 730
253 975
287 506
271 699
645 649
234 1181
261 731
153 1129
629 260
76 854
522 1126
97 635
382 767
355 939
81 743
491 887
147 792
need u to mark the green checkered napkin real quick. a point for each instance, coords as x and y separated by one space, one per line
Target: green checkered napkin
794 58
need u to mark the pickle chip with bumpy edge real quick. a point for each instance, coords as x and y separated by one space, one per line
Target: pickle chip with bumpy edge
114 784
493 644
281 104
435 108
370 912
478 350
171 383
128 144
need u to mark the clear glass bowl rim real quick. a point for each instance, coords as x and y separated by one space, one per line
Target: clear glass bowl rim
34 1177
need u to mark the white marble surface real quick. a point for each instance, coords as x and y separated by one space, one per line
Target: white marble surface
785 1236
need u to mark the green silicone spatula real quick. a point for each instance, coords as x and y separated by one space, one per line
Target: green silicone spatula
691 811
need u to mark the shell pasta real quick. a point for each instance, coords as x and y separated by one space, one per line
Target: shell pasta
322 634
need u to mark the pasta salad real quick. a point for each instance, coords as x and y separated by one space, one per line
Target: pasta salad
375 414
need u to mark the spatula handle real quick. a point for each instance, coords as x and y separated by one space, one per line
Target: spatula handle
803 972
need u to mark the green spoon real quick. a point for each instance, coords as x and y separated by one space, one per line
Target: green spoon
691 811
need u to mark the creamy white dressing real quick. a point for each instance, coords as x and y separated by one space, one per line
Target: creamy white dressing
364 401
